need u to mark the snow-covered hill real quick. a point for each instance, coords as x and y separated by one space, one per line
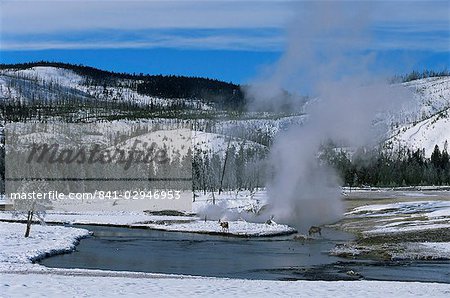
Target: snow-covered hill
431 124
433 94
426 134
216 143
71 81
46 85
421 126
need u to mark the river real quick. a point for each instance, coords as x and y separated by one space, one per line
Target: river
274 258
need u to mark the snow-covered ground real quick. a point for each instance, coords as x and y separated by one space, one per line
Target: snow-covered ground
406 216
167 223
401 230
52 285
424 250
403 207
238 208
237 201
18 252
21 278
412 190
371 195
236 228
218 143
97 218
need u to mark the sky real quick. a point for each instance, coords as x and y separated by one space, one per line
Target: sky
228 40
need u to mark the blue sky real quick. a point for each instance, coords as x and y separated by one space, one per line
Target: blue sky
231 66
228 40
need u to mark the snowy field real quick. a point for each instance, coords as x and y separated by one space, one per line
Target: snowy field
165 223
236 208
17 251
405 216
51 285
21 278
400 224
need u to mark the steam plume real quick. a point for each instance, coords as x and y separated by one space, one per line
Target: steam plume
324 57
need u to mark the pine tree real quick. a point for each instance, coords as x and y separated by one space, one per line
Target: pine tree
436 157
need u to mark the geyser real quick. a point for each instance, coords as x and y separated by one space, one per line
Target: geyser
322 57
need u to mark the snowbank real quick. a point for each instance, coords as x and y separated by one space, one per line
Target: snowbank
16 250
238 208
405 216
236 228
17 285
189 224
424 251
403 207
100 218
411 230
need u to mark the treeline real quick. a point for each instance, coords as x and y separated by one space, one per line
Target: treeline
388 169
30 98
2 167
238 167
417 75
224 95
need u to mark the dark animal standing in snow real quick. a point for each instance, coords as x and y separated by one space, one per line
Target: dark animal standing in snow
315 230
224 225
270 221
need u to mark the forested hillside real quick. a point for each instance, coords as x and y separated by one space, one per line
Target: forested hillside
230 144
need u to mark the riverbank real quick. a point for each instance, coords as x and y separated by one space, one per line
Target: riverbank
20 285
186 224
396 225
233 207
21 277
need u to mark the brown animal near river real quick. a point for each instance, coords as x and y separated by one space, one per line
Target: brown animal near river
224 225
314 230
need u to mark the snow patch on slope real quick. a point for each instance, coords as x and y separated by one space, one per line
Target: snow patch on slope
218 143
426 134
430 124
59 76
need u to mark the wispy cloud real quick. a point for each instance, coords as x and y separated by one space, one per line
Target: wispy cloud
215 39
244 25
252 40
60 16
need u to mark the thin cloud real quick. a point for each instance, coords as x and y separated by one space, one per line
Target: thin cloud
249 39
34 25
44 17
211 42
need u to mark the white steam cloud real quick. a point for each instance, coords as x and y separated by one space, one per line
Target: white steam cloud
323 57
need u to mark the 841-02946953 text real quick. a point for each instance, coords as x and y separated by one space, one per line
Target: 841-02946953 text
102 195
140 195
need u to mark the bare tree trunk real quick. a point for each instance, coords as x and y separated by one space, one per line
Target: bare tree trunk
29 221
224 165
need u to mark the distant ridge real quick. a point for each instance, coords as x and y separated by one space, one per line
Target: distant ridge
227 95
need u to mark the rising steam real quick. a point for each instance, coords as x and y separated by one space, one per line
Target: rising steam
323 57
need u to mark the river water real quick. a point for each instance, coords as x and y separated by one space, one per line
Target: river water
275 258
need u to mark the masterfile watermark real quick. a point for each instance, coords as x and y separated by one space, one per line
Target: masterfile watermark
128 162
94 154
